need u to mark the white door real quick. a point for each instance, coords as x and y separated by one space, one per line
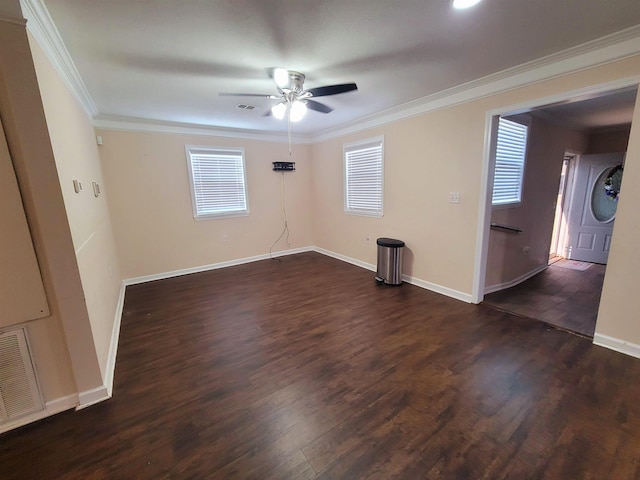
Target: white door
592 211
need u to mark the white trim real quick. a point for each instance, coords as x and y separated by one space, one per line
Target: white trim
609 48
215 152
465 297
485 208
51 408
513 283
93 396
598 52
434 287
344 258
44 30
617 345
616 46
129 124
359 145
113 347
61 404
212 266
449 292
572 95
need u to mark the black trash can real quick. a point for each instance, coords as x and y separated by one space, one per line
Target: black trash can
389 269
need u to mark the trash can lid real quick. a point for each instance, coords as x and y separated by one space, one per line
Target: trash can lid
390 242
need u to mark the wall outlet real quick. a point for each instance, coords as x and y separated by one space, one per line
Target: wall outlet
367 238
454 197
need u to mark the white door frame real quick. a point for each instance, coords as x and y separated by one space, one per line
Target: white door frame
488 166
560 239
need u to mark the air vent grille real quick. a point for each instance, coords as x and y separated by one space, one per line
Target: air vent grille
242 106
19 393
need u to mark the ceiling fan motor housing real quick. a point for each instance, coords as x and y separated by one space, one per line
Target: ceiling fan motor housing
296 81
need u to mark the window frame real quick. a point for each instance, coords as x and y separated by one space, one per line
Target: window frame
356 146
204 150
524 121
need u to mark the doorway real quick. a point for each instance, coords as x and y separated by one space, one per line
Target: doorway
558 235
539 291
592 209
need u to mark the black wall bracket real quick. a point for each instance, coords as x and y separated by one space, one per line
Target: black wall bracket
284 166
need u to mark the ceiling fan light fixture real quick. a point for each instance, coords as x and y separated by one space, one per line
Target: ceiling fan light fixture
281 77
279 111
460 4
298 109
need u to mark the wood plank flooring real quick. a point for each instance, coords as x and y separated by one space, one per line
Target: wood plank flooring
565 298
305 368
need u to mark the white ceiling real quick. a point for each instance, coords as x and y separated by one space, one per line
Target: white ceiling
167 60
593 113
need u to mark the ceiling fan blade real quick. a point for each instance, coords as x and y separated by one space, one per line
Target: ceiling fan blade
332 89
246 95
318 107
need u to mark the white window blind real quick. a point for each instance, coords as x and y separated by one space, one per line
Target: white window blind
510 156
364 165
218 185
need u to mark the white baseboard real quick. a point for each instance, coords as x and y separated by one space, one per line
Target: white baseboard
213 266
513 283
51 408
449 292
93 396
113 347
344 258
434 287
616 344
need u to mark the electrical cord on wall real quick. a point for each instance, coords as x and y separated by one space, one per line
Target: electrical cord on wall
285 230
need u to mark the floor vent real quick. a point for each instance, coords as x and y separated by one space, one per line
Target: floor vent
19 392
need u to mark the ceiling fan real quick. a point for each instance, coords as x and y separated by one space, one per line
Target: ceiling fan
294 99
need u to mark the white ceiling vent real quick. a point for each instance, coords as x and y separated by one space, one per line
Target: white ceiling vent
242 106
19 392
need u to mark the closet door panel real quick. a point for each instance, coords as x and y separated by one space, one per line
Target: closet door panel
22 295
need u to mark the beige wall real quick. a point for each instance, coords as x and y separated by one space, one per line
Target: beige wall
512 256
420 169
439 152
76 155
147 178
146 188
610 141
62 343
618 315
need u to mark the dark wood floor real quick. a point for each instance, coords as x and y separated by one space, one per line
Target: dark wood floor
307 369
562 297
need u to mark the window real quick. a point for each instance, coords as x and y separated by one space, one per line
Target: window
218 185
363 170
510 156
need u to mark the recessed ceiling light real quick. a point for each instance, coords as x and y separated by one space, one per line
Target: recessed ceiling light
464 3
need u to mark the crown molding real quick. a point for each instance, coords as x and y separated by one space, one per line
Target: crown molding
625 43
41 26
130 124
616 46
